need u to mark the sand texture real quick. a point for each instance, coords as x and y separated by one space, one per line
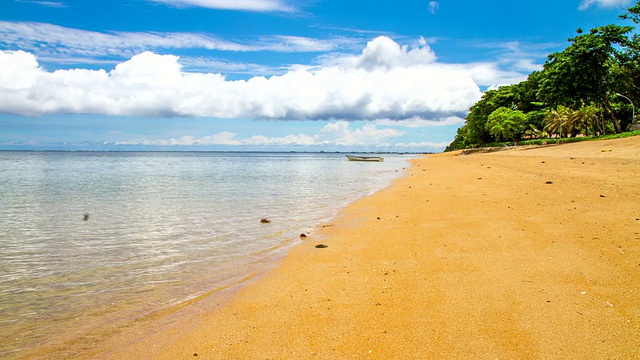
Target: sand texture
517 254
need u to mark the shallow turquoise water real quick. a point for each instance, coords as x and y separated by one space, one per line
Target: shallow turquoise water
91 237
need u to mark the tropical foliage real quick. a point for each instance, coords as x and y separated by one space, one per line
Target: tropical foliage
506 124
558 121
578 92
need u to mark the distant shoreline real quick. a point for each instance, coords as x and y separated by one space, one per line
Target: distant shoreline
216 151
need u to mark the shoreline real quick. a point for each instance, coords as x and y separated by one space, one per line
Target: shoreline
440 264
207 245
524 253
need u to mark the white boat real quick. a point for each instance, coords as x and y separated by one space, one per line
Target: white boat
365 158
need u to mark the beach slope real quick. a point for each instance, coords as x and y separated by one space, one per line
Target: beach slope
525 253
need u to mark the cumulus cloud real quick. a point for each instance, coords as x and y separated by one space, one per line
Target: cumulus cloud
385 54
386 81
246 5
603 3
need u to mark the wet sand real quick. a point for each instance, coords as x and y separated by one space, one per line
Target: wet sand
517 254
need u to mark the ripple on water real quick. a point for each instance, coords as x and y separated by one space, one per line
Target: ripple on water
162 228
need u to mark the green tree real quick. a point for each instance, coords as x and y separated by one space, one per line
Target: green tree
633 13
591 70
506 124
475 132
583 71
629 60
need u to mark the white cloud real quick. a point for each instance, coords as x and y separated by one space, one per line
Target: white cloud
56 41
68 46
603 3
223 138
52 43
387 81
225 66
490 74
513 61
290 140
340 133
53 4
337 133
11 76
433 6
247 5
422 145
301 44
385 54
51 40
422 123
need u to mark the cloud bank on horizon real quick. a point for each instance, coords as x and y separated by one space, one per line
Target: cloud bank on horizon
334 135
385 81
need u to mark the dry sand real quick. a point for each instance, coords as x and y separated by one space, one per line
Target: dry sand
518 254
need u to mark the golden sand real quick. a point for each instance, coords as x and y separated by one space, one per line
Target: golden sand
517 254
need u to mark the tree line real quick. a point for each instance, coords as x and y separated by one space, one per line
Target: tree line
587 89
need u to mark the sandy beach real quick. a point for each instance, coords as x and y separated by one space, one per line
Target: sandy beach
528 253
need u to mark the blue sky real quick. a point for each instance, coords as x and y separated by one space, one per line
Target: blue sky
286 75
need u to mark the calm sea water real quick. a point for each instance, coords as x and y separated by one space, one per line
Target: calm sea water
89 238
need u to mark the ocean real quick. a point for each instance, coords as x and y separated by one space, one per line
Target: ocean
95 238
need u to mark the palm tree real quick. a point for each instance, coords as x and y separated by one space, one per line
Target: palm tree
557 121
584 118
534 133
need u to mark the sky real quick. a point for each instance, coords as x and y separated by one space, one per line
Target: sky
267 75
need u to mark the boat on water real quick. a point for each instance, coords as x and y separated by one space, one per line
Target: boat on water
365 158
